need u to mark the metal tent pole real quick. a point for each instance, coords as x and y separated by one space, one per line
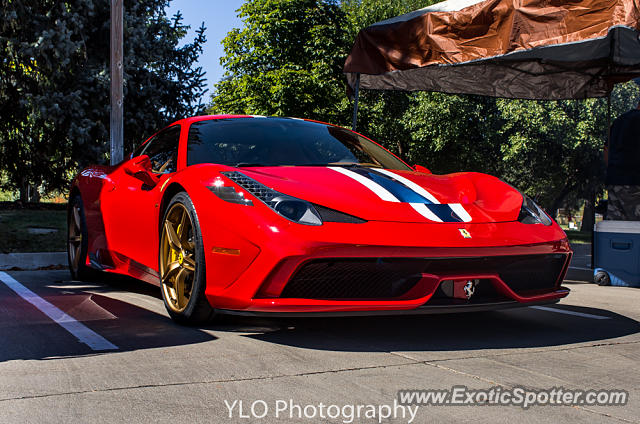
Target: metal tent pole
116 126
609 118
593 230
355 104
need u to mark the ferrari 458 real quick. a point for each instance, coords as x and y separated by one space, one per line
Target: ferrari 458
255 215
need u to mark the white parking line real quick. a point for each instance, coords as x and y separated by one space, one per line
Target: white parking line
77 329
564 311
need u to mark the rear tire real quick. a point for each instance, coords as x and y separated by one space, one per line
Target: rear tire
77 240
182 264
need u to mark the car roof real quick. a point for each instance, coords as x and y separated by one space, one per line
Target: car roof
189 121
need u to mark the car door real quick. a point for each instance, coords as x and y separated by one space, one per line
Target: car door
132 231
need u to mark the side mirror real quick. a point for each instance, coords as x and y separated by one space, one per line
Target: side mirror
140 168
422 169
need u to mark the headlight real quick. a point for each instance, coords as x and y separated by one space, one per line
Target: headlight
296 210
228 194
530 213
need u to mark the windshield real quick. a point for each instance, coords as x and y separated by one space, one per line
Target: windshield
282 142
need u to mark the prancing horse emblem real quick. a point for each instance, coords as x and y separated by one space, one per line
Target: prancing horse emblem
469 288
464 233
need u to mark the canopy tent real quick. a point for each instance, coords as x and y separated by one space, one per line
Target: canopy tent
525 49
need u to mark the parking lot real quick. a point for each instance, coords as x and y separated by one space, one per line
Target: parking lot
116 357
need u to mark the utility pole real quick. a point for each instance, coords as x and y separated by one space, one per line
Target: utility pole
117 77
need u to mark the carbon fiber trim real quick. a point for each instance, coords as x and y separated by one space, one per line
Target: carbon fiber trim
332 215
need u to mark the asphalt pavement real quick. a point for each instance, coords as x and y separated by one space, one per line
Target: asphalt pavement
106 351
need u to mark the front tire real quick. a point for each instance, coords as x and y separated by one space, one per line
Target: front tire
182 265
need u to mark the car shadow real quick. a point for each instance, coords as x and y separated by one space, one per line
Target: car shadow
131 322
509 329
129 314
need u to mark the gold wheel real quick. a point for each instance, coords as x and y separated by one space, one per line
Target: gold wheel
75 238
177 258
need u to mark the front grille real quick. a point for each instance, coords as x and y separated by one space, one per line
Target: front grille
353 279
387 278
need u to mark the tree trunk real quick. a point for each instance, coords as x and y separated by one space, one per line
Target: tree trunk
35 194
557 202
28 193
589 214
24 192
401 150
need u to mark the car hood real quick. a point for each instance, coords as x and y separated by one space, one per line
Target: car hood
392 195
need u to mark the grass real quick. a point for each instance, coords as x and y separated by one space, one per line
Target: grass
14 225
578 237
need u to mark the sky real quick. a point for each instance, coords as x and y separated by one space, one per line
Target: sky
219 16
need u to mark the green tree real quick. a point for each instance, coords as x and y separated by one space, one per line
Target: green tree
449 133
55 83
286 60
553 150
37 48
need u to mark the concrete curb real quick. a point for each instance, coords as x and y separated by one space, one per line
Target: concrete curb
32 261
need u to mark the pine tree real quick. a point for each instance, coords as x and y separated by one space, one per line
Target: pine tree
54 83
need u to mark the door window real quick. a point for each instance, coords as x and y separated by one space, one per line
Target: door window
163 150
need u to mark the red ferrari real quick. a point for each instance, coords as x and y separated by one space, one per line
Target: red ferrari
251 215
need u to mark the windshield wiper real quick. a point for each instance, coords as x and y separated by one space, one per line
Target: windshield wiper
354 164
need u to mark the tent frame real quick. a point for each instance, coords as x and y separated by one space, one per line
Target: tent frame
355 103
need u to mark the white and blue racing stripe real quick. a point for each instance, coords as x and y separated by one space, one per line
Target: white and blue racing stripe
392 187
459 210
402 192
407 182
368 183
425 211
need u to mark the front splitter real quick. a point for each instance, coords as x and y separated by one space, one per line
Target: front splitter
422 310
